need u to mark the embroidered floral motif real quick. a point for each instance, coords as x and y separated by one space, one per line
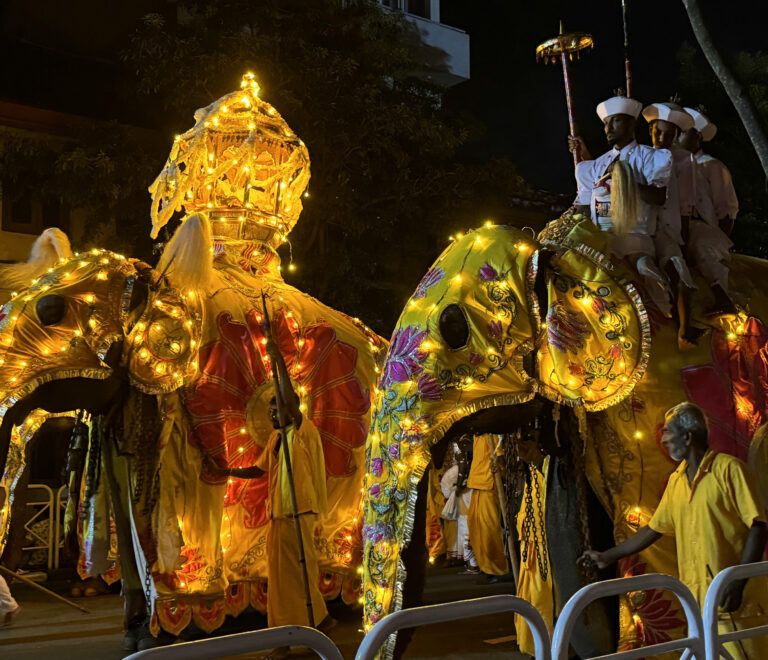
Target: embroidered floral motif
657 614
566 329
429 388
405 357
487 272
432 277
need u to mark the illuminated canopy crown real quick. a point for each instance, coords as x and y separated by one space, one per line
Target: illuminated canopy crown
242 165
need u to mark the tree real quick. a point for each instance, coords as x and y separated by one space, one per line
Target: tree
101 172
388 185
736 92
697 85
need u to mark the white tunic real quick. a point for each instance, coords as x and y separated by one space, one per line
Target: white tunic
649 166
715 199
715 196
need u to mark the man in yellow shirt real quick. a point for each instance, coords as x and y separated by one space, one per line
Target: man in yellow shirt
286 596
711 505
484 517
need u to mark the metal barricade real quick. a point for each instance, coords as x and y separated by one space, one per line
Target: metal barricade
247 642
44 510
462 609
62 495
693 645
713 639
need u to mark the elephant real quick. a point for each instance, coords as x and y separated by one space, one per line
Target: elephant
178 377
507 331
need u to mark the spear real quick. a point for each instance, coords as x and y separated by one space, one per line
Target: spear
564 46
31 583
282 415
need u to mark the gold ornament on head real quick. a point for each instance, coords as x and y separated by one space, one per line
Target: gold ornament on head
242 165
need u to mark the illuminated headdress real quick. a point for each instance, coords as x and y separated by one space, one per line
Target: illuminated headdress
243 166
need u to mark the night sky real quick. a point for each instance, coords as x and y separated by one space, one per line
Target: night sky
58 55
522 103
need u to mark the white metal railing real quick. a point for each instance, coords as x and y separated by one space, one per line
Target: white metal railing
247 642
44 506
693 645
714 640
60 506
462 609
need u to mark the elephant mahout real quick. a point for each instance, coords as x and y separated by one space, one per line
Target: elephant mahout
505 333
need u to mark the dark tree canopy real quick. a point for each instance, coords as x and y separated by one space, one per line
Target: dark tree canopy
387 184
698 85
391 178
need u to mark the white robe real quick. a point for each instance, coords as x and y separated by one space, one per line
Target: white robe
649 167
715 199
668 239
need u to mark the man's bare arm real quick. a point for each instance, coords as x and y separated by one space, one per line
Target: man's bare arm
753 552
251 472
639 541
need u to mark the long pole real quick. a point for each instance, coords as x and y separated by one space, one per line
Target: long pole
571 119
287 452
25 580
627 63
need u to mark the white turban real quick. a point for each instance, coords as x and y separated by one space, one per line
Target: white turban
619 105
702 124
679 118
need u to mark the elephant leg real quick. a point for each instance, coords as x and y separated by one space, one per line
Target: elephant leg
115 469
12 554
414 557
595 632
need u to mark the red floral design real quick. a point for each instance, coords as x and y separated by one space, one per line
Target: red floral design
657 614
234 366
732 389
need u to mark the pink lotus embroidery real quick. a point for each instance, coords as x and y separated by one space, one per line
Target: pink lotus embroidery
429 388
405 356
432 277
566 329
487 272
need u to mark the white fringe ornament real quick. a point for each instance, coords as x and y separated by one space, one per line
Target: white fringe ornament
51 246
187 260
625 198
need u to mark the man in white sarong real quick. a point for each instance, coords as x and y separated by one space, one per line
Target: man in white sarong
458 499
712 212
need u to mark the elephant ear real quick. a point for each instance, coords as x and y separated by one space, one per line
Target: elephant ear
596 339
163 345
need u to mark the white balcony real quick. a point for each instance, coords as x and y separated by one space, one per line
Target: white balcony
443 50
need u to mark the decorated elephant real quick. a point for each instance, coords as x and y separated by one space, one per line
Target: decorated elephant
172 364
506 332
171 378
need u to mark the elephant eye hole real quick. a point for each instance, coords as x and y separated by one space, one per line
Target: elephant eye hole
51 309
454 327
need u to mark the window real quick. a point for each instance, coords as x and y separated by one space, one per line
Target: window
25 214
417 7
